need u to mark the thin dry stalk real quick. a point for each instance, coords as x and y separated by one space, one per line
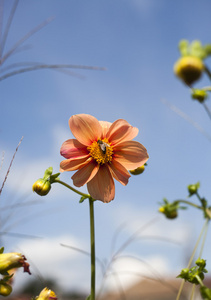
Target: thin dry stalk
10 165
18 47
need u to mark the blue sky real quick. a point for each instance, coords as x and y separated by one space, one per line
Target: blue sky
136 41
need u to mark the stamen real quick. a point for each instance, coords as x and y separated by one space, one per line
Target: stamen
101 151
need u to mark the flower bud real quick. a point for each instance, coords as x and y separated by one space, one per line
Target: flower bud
47 294
189 69
193 188
41 187
12 260
5 289
170 213
199 95
137 171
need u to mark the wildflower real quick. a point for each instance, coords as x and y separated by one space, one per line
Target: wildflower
190 65
189 69
41 187
101 151
47 294
12 260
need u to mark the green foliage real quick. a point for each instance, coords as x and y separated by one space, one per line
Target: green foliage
194 275
193 188
194 49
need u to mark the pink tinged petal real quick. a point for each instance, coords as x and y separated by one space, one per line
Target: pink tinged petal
121 131
85 174
73 149
102 187
74 164
130 154
105 126
85 128
119 172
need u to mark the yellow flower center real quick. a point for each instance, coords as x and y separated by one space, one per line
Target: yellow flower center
101 151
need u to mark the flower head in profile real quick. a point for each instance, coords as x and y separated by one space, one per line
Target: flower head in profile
12 260
47 294
101 151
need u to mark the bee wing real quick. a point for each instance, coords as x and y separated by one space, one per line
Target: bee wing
103 147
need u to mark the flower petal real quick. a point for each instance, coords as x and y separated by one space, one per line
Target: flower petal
85 174
73 149
85 128
130 154
74 164
121 131
102 187
119 172
105 126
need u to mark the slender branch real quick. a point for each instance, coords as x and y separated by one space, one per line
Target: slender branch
85 253
187 118
24 38
38 67
71 188
192 256
10 166
189 203
207 72
1 23
207 110
204 238
9 22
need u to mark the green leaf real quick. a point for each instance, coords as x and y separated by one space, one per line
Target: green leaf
207 49
82 199
48 173
197 50
1 250
183 47
53 177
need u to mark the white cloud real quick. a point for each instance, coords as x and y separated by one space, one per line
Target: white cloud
126 271
50 259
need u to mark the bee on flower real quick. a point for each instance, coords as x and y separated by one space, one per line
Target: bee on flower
101 152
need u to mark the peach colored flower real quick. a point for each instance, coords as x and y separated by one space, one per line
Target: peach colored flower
101 151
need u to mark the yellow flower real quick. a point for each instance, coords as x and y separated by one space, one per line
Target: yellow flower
12 260
47 294
189 69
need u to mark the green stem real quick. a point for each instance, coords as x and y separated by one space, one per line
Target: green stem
204 238
192 292
189 203
191 259
71 188
207 71
92 239
92 233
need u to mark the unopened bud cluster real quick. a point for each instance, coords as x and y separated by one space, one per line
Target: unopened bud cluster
169 209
